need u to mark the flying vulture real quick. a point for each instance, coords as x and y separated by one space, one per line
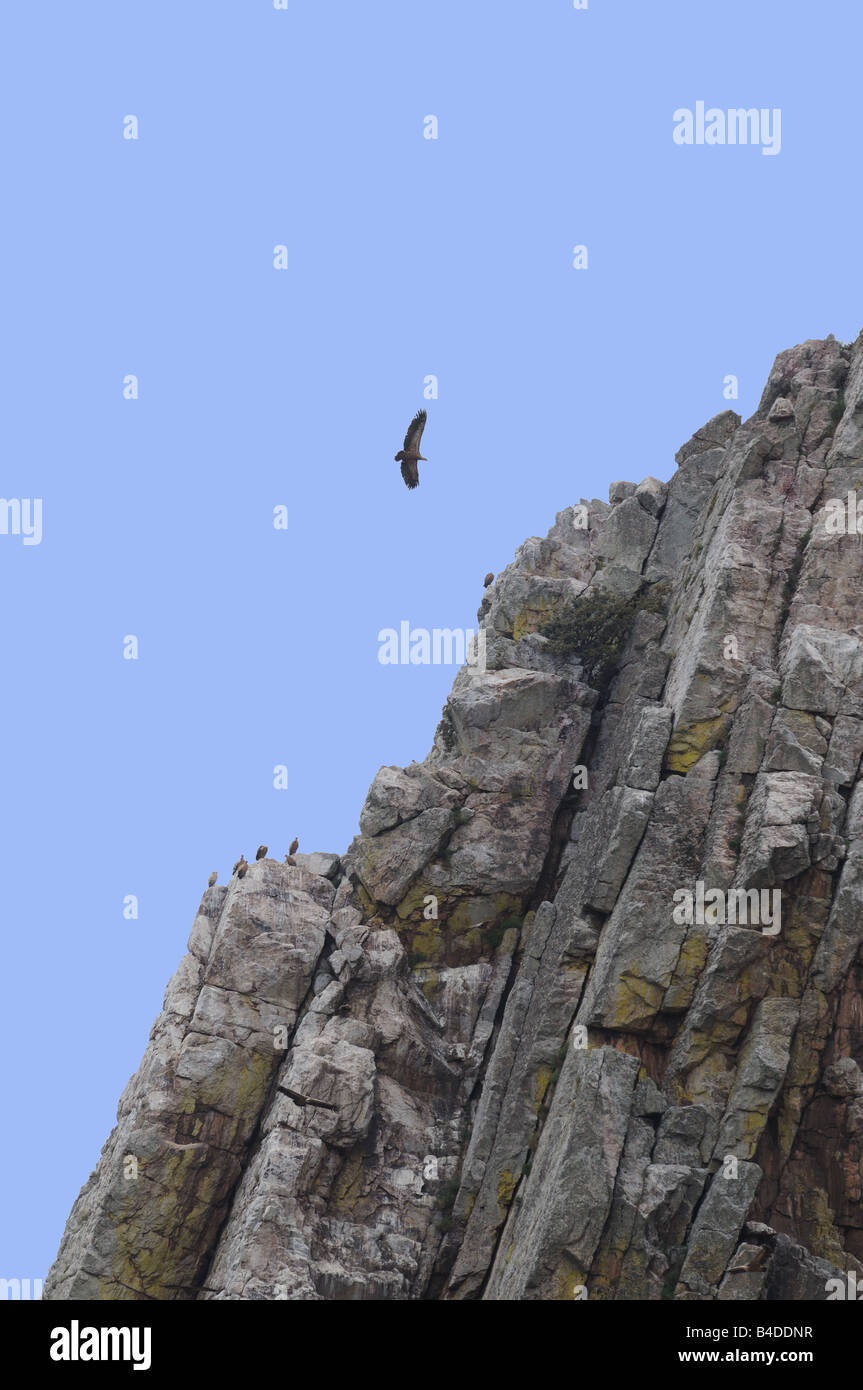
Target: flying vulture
299 1099
409 456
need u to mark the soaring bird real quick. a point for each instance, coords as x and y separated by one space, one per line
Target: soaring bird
489 579
409 456
212 879
262 852
294 846
299 1099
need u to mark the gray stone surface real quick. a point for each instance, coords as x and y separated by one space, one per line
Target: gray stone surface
478 1056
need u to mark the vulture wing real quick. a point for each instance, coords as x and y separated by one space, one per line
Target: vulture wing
410 472
414 435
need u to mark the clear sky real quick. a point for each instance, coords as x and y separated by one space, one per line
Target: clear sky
407 258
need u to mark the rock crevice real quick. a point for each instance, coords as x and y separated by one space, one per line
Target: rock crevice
578 1012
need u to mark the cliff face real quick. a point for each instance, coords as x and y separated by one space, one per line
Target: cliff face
515 1064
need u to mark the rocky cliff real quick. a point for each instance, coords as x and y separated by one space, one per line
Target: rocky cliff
579 1011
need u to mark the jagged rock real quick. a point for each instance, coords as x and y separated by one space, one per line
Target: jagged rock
823 672
480 1056
525 1063
844 1079
186 1121
716 1229
643 767
326 865
776 839
764 1061
794 1274
796 743
640 946
627 535
548 1244
397 795
781 409
746 1274
686 1134
845 750
652 494
388 864
700 464
617 491
610 840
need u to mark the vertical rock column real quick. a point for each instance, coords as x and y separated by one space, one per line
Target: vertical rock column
147 1219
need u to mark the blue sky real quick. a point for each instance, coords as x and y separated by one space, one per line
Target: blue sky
407 257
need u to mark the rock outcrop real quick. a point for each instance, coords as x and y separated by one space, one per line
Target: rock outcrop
578 1013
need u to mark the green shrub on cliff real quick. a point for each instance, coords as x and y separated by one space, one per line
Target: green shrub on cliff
595 627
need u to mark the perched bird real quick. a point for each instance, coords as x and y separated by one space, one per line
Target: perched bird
241 872
489 579
241 860
289 859
212 879
262 852
754 1262
293 846
409 456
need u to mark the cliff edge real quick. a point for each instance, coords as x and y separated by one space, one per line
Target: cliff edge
578 1013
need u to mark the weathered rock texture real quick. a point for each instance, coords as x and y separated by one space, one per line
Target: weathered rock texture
484 1054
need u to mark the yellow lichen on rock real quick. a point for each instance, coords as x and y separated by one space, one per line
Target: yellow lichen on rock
689 744
543 1079
507 1183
